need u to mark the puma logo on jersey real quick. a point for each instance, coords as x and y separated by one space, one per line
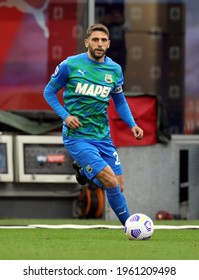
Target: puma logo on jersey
93 90
82 72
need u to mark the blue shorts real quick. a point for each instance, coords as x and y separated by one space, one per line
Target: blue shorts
93 155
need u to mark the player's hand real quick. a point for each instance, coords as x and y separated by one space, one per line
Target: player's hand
137 132
73 122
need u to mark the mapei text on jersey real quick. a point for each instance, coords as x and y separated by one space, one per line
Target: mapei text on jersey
91 89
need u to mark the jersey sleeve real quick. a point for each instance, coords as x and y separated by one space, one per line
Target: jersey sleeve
120 81
123 109
60 76
57 82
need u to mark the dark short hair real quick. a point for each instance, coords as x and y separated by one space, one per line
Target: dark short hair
97 27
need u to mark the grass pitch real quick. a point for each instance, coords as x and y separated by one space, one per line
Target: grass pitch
95 244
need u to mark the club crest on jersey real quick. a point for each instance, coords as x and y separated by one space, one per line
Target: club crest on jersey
108 78
89 168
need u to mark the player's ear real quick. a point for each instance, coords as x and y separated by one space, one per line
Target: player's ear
86 43
109 43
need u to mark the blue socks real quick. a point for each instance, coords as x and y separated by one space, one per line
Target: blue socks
117 202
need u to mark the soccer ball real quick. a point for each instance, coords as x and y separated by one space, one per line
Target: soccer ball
139 227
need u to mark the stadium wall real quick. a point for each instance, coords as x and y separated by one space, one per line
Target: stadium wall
157 178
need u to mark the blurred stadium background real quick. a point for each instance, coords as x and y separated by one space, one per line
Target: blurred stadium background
156 44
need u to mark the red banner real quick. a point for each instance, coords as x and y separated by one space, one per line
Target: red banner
144 110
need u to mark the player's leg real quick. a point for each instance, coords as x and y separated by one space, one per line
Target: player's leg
120 179
114 194
82 179
112 185
113 180
89 158
115 197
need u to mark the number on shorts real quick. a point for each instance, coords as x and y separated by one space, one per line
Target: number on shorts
117 162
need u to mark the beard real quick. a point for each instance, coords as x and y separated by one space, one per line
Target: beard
97 54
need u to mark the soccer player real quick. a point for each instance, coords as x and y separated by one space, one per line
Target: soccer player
89 80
